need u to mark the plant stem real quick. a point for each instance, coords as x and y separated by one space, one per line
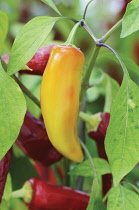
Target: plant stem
95 185
116 54
89 157
86 9
71 36
85 82
26 91
90 32
56 172
110 32
26 192
106 196
66 165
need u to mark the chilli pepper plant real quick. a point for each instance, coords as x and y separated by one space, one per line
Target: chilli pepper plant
69 104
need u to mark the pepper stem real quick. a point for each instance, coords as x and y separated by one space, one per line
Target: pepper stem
71 36
25 192
92 121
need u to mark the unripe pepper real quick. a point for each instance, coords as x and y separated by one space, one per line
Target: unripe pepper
33 141
45 196
60 91
4 169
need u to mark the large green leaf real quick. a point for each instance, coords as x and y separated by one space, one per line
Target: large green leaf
3 28
122 138
85 168
120 198
28 40
12 111
130 22
51 4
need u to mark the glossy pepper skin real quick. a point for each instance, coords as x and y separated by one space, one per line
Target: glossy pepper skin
4 169
60 91
46 196
34 142
38 61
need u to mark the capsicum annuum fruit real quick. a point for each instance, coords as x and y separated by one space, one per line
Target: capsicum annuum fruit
59 96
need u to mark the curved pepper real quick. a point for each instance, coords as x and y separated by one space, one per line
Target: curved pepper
60 91
45 196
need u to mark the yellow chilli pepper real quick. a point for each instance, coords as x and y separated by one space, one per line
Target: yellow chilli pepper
60 91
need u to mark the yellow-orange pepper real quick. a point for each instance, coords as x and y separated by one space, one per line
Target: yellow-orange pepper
60 91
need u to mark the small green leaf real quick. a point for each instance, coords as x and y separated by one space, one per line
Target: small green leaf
122 144
120 198
51 4
3 28
130 22
85 168
12 111
28 40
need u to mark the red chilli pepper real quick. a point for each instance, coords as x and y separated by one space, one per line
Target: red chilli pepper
47 196
96 128
99 137
34 142
38 61
4 169
100 133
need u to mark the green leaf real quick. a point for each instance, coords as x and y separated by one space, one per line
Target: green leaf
51 4
122 144
8 189
120 198
85 168
103 84
28 40
3 28
130 22
21 164
112 88
132 67
12 111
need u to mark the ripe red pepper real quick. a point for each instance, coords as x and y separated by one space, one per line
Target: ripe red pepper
46 196
96 128
100 133
37 63
47 174
33 141
4 169
99 137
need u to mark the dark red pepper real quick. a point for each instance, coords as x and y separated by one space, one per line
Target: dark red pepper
33 141
47 196
99 137
37 63
100 134
96 127
4 169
